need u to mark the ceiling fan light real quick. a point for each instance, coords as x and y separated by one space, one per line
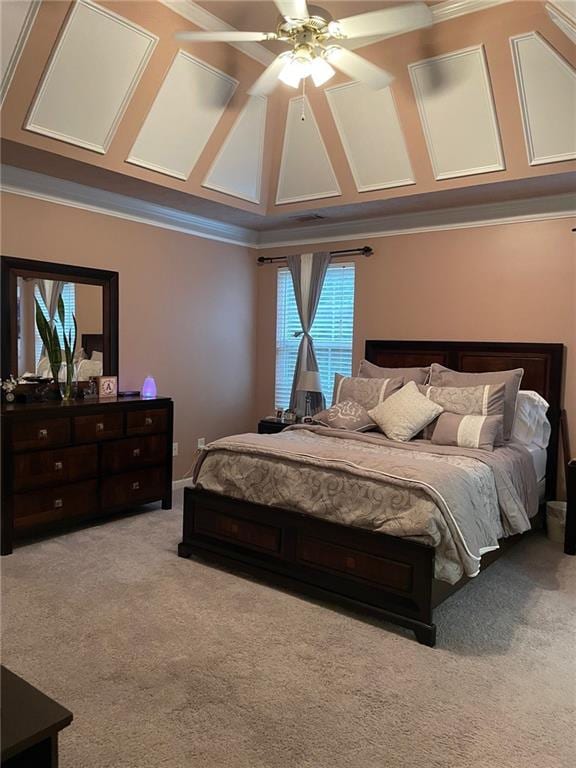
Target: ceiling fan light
296 69
334 29
321 71
332 53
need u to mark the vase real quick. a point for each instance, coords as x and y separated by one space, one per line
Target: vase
67 387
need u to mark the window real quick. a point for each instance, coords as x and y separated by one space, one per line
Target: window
332 330
69 298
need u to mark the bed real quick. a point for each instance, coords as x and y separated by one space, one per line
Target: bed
400 576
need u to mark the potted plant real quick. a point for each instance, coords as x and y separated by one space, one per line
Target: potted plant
53 345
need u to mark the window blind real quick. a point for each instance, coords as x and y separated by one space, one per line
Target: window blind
332 330
69 298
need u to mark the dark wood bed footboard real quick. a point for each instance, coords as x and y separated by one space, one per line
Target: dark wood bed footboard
374 572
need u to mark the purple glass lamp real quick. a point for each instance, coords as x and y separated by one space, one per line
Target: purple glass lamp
149 387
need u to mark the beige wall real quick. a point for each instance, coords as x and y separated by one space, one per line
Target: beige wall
88 309
514 282
186 309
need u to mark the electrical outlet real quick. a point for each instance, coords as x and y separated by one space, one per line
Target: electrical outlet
174 449
201 442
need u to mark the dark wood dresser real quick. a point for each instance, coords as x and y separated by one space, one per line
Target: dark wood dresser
65 463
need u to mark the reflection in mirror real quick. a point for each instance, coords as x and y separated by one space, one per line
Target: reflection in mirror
81 300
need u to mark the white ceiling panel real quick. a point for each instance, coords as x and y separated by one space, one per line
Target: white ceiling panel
189 104
547 89
16 20
91 77
456 107
306 172
237 169
368 124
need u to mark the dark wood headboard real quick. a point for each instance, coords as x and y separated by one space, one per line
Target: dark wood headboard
543 372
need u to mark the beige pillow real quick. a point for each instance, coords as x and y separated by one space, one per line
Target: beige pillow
445 377
346 415
370 371
405 413
367 392
470 431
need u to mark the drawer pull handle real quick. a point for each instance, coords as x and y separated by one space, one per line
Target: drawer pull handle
42 434
58 503
100 426
148 421
136 452
57 466
136 486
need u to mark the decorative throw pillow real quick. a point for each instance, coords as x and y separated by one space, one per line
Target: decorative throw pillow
405 413
367 392
346 415
445 377
370 371
471 431
485 399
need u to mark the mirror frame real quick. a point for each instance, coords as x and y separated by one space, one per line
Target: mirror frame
13 268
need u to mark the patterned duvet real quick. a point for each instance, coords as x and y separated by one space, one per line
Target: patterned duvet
461 501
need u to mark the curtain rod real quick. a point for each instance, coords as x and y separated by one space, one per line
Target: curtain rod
365 251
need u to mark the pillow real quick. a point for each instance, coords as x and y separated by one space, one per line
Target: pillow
367 392
346 415
531 426
370 371
97 356
470 431
405 413
444 377
485 399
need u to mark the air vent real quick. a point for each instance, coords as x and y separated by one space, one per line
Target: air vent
308 217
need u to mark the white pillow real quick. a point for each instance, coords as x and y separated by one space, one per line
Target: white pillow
97 356
405 413
531 426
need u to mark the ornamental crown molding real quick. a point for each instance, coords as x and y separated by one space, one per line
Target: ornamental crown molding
26 183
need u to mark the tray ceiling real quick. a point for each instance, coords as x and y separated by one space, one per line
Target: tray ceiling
477 99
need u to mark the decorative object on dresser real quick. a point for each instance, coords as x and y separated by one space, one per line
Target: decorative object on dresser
107 386
270 426
71 462
149 387
374 572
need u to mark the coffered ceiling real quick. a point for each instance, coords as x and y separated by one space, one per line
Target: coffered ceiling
103 94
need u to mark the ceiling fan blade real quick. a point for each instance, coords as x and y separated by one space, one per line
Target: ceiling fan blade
268 80
292 9
225 36
359 68
387 21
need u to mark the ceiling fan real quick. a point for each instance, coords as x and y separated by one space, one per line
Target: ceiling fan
318 43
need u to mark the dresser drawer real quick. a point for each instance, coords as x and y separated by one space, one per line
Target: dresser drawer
54 504
145 422
123 455
133 488
41 433
102 426
246 532
64 465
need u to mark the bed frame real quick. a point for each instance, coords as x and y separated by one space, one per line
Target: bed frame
368 571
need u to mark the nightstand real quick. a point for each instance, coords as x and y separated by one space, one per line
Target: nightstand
271 426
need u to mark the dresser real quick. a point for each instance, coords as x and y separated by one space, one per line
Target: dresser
68 463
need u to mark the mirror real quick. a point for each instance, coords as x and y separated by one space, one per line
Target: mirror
88 295
81 301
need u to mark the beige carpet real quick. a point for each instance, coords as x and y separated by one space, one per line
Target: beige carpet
169 662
